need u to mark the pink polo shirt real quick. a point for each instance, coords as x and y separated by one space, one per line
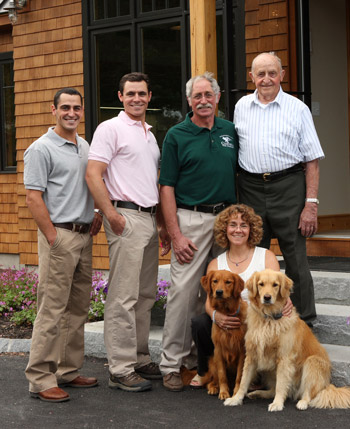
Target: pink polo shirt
132 157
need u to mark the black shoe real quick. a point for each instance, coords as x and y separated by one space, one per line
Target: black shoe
310 324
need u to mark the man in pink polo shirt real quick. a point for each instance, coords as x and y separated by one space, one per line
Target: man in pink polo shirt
122 177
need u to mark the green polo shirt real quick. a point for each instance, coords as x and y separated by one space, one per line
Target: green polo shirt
200 164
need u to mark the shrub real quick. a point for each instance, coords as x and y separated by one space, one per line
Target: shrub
18 295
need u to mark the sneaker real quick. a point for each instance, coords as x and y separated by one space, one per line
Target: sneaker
173 382
130 383
150 371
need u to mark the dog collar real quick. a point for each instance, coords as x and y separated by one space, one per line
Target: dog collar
237 312
275 316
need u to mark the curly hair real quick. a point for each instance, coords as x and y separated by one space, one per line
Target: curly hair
248 215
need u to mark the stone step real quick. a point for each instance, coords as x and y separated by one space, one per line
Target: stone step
94 346
333 324
331 288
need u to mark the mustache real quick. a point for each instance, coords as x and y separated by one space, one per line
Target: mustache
204 106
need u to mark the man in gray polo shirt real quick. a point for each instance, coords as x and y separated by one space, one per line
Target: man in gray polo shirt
59 200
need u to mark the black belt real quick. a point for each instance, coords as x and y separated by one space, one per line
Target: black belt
75 227
132 206
213 209
269 177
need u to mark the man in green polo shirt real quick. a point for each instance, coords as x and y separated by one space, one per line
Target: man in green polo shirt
197 181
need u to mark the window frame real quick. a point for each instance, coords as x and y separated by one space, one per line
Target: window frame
5 58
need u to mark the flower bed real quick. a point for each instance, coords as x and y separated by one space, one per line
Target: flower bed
18 295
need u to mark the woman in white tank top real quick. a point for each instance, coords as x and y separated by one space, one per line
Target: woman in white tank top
238 229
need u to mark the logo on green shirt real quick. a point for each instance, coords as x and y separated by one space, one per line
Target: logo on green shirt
227 141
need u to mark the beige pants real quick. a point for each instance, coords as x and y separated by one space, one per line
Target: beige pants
132 286
186 297
57 349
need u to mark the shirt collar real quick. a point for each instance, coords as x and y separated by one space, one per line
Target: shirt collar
60 141
195 129
126 118
276 100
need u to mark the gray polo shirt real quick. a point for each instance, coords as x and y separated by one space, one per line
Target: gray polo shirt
57 168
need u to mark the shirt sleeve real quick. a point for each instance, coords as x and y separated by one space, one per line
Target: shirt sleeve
310 145
36 169
169 169
104 143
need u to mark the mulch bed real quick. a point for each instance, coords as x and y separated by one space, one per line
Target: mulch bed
9 329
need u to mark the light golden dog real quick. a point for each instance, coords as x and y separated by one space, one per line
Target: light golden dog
224 290
285 351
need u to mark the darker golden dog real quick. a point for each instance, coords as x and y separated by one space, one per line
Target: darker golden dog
224 290
286 352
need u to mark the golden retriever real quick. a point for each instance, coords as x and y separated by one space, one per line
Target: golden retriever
284 349
224 290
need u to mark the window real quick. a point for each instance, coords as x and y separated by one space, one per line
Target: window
153 36
125 36
7 115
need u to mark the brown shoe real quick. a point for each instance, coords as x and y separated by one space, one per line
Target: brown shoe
81 381
150 371
130 383
55 394
173 382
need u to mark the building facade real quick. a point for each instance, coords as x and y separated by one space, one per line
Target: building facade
90 44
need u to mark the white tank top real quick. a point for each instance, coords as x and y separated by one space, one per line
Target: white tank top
256 264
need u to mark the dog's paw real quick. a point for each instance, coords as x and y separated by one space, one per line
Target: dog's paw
224 395
213 389
302 404
234 401
276 406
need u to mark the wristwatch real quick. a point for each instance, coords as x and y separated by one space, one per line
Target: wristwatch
312 200
98 211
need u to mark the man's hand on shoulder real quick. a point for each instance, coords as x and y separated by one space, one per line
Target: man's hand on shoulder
308 220
183 248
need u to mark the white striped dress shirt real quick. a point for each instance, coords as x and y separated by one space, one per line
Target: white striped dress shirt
275 136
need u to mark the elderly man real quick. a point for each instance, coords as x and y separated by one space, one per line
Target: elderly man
61 205
197 181
122 177
279 173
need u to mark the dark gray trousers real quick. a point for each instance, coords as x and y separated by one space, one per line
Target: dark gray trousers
280 203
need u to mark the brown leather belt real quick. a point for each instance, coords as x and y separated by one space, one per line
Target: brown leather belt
213 209
132 206
269 177
75 227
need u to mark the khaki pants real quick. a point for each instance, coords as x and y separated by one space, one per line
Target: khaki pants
186 296
132 287
57 349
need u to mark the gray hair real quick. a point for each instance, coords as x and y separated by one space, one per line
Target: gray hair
272 53
209 77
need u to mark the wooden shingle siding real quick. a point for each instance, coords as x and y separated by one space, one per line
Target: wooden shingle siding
48 55
267 29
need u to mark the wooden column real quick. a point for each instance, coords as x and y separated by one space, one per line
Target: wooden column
203 36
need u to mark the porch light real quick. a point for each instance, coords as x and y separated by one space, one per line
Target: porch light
12 8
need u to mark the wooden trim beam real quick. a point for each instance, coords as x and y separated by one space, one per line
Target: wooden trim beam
347 11
203 37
